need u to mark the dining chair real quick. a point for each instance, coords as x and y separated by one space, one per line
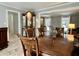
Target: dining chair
24 49
29 46
41 31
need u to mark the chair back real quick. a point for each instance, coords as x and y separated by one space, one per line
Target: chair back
30 32
23 46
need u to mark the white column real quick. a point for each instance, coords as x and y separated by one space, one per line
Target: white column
19 23
37 24
24 24
7 25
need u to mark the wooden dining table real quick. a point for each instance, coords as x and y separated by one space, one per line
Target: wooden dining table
53 46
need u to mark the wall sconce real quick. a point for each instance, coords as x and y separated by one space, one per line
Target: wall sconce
71 26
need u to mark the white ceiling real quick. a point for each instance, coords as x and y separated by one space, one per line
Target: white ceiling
66 11
29 5
45 8
63 9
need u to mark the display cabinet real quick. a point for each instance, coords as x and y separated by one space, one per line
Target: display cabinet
28 21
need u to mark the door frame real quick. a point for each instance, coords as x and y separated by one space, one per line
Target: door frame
19 21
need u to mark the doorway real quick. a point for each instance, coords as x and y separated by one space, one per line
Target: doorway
12 23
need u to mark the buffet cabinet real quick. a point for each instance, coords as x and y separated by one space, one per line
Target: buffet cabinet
28 21
3 38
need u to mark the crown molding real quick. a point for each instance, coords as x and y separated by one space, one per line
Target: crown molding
45 10
8 6
54 6
60 10
46 15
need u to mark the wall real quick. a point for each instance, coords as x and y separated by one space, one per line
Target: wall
3 21
3 18
56 21
75 19
47 21
51 23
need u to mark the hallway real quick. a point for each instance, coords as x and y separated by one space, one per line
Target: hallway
14 47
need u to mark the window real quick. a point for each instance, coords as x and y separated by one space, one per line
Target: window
65 22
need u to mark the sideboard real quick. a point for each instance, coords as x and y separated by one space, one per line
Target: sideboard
3 38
